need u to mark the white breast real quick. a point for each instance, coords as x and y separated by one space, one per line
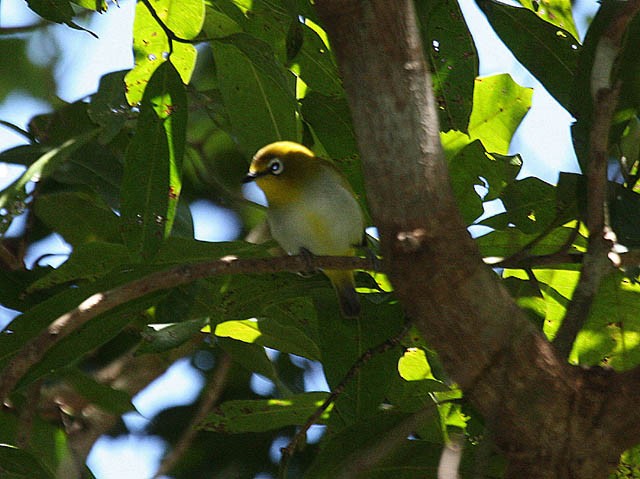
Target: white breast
327 220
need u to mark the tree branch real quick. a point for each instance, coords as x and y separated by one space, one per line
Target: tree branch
605 99
210 396
484 340
32 352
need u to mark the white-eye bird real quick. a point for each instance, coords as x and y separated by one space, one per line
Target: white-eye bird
311 207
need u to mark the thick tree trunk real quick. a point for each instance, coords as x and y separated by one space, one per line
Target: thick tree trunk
550 419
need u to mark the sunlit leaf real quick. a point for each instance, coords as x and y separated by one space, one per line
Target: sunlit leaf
270 332
413 365
499 105
556 12
152 47
153 164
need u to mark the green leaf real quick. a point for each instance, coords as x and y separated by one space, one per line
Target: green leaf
153 166
109 107
151 44
341 345
548 52
78 217
251 357
473 167
499 105
556 286
556 12
97 5
530 206
218 24
330 119
316 66
182 250
12 198
257 91
453 60
529 297
22 464
272 333
413 365
170 336
87 261
507 242
339 450
104 396
611 335
264 415
58 11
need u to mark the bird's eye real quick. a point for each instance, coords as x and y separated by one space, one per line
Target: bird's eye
275 166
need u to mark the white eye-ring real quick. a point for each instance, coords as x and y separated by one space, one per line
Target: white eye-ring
275 166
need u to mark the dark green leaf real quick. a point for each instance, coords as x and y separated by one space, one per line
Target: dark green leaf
472 167
170 336
340 450
507 242
264 415
88 261
257 91
153 166
109 107
530 206
343 342
547 51
330 119
12 198
218 24
317 68
107 398
58 11
453 59
251 357
20 464
78 217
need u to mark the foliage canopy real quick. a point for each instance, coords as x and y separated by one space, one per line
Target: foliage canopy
114 174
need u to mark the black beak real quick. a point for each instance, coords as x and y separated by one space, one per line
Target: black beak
250 177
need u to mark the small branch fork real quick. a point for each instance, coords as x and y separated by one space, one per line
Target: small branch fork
34 350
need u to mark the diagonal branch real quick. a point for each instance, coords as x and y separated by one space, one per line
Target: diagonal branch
596 263
99 303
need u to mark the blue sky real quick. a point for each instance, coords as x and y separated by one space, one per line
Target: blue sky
543 139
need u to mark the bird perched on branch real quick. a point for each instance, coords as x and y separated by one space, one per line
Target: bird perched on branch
311 207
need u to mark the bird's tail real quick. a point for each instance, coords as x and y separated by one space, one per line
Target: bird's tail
345 286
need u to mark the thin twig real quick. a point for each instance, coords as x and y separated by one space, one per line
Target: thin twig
287 452
210 397
34 350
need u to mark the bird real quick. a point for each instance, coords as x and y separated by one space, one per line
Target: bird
311 209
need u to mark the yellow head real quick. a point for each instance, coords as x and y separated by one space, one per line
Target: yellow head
282 169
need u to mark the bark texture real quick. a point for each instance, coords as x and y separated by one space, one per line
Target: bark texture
551 420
